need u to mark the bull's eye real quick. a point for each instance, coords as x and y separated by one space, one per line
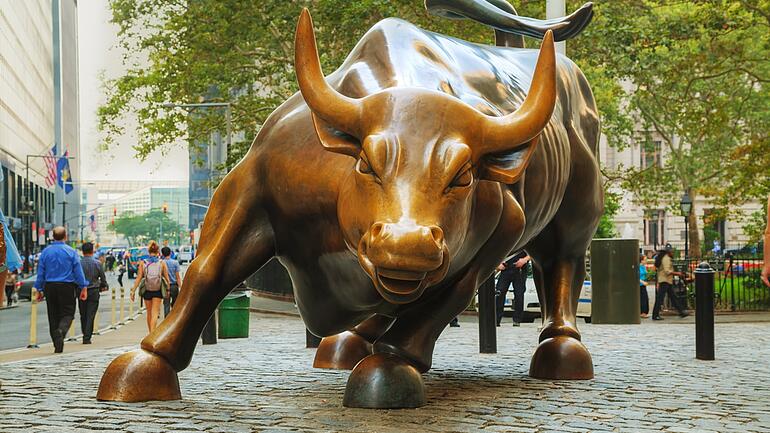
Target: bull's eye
464 178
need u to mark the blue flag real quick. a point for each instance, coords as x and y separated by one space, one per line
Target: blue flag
63 175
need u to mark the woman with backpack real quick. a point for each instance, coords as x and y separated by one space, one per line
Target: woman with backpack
153 283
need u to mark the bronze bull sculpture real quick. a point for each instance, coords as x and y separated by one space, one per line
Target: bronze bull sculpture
390 191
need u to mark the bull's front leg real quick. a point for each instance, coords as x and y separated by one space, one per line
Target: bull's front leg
390 377
236 241
343 351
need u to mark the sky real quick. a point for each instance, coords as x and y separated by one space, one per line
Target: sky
99 54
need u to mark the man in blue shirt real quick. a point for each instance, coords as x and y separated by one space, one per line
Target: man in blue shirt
174 280
59 276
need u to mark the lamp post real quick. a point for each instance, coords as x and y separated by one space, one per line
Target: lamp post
685 204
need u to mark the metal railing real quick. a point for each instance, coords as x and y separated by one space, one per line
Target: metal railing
737 283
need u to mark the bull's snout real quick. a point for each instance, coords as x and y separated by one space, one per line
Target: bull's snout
403 259
405 248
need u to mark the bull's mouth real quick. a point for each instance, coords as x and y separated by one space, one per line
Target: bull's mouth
399 283
402 287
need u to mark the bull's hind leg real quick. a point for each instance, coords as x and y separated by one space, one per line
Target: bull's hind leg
559 258
343 351
560 354
236 241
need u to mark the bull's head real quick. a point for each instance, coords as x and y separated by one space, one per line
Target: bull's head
420 155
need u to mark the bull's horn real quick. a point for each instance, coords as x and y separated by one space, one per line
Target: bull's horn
335 108
521 126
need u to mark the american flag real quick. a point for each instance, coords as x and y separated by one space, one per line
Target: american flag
50 165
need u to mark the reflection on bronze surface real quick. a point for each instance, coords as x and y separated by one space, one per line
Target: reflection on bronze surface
390 190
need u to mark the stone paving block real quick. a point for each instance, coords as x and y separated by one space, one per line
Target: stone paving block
266 384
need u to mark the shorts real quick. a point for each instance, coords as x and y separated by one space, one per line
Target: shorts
154 294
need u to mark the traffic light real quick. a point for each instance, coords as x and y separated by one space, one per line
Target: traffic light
165 207
114 211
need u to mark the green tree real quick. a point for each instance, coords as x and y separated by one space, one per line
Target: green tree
606 227
152 225
697 74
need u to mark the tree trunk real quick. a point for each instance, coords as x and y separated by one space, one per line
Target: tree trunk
694 249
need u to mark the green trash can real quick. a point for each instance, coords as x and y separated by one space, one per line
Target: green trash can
615 281
234 316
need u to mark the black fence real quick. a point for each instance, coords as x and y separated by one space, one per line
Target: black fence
737 284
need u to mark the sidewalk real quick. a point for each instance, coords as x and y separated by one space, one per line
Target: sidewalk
129 334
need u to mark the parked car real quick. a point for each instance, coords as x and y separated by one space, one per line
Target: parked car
185 254
531 302
25 286
584 302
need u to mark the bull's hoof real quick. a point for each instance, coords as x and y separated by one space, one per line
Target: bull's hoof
561 358
342 351
384 381
139 375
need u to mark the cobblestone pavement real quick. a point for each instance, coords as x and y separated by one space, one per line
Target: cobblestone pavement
646 380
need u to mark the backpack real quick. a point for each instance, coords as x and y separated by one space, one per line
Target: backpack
659 259
153 274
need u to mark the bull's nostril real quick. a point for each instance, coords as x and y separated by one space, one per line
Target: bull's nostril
376 229
438 234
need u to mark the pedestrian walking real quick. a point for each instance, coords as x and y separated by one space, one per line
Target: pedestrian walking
152 282
644 300
512 272
665 267
97 282
110 261
10 260
59 276
121 271
175 280
10 287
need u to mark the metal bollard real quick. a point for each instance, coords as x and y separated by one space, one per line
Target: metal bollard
96 322
311 341
33 320
487 317
112 312
122 307
130 310
704 312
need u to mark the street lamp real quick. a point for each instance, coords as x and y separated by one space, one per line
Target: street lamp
685 204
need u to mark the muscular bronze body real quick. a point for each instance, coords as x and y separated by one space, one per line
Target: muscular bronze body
390 190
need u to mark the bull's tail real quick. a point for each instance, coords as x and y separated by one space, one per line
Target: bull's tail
510 27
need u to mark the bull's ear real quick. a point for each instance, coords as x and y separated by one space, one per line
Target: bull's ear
335 140
507 167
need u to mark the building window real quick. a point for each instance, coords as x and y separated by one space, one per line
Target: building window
654 229
650 154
